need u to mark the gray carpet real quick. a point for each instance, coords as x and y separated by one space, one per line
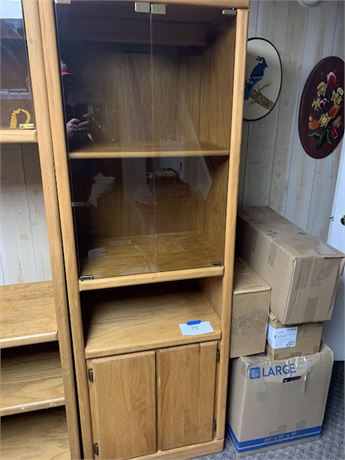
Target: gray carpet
329 447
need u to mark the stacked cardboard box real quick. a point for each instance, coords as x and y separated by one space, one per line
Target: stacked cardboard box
280 397
250 308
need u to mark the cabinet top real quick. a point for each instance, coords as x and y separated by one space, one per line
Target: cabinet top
215 3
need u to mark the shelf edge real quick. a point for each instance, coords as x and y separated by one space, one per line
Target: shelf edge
32 406
31 339
18 136
147 154
149 278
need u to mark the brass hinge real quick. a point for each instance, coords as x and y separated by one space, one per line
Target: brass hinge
90 375
217 263
147 7
95 448
86 277
218 355
214 425
230 12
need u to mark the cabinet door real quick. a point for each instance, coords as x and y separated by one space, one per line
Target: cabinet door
123 405
185 394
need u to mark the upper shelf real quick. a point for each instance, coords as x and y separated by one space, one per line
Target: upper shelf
144 318
30 381
27 314
18 136
148 151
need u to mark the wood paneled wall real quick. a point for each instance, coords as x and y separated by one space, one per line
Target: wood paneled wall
24 248
275 170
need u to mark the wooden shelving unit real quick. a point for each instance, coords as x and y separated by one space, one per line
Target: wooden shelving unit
37 371
148 219
31 380
41 434
27 314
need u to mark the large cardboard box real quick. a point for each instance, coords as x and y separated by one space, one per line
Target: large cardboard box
274 403
287 341
250 307
302 271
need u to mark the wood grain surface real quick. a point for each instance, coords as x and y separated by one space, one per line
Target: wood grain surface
123 405
27 314
36 435
185 394
30 380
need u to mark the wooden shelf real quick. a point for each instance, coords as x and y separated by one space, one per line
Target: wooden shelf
18 135
148 151
37 435
27 314
148 317
149 254
30 380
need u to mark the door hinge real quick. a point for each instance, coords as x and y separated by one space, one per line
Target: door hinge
218 355
86 277
90 374
95 448
230 12
147 7
214 425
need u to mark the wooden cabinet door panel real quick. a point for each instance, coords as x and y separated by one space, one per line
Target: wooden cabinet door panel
185 394
123 405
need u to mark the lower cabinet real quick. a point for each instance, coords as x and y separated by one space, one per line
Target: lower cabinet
155 400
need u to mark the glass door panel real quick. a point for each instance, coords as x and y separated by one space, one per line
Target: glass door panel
192 59
16 106
105 58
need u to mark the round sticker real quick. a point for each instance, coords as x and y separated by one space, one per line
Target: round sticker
263 79
321 111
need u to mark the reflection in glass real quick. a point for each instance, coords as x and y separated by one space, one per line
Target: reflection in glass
143 215
16 107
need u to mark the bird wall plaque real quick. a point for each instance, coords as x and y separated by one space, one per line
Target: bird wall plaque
263 79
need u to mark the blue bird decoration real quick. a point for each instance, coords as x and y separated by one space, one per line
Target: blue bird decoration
256 76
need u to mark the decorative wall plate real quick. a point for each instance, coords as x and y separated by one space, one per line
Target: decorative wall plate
321 111
263 79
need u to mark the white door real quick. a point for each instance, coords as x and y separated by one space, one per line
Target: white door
334 330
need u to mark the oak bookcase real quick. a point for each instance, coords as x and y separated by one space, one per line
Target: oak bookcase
38 409
145 106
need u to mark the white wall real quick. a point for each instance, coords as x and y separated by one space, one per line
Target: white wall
275 170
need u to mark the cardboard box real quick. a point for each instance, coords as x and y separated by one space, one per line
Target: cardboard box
274 403
302 271
250 307
287 341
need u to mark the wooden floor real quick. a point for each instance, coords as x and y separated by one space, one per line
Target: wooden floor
145 317
148 254
35 436
27 314
30 380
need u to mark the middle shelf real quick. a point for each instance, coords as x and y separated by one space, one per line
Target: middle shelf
125 320
31 379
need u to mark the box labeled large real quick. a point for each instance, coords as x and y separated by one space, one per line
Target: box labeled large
273 403
250 307
302 271
288 341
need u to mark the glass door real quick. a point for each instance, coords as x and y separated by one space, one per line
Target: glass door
192 48
147 94
16 106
